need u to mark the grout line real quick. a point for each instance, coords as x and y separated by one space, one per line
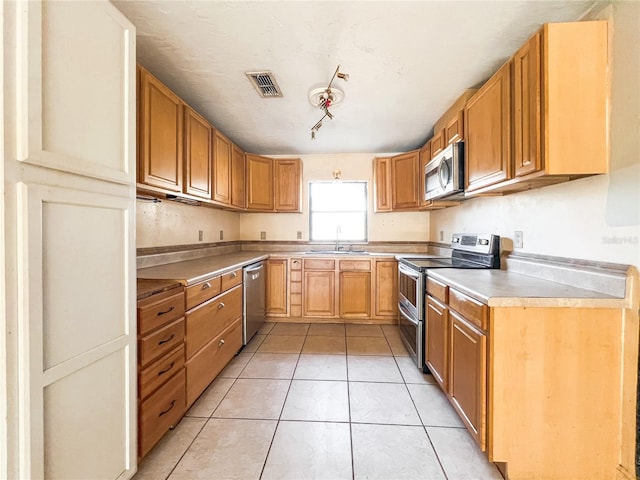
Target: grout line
353 463
444 472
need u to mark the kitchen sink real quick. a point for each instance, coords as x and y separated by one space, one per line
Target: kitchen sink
334 252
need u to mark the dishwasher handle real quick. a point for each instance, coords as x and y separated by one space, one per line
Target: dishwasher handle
253 269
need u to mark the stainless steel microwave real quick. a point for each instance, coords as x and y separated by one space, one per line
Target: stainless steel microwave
444 174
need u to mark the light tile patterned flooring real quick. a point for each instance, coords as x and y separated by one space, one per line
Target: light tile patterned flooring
323 401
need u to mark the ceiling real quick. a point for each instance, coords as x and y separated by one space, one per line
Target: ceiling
407 61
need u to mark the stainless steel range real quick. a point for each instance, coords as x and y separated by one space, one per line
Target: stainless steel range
468 251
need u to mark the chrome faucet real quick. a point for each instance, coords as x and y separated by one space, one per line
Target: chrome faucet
338 232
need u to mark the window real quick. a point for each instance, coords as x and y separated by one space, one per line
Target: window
338 211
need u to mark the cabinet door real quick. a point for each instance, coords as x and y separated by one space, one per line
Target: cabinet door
488 144
405 189
454 131
468 376
197 154
386 288
438 142
318 293
277 287
425 157
259 183
160 115
355 294
382 184
436 348
527 99
288 184
221 168
238 192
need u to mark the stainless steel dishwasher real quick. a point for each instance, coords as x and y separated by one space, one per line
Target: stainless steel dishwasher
254 300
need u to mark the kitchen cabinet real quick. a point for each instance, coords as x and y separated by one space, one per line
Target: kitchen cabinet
213 329
405 181
382 184
437 345
454 130
238 192
197 154
425 157
385 295
295 287
160 134
259 183
221 168
355 288
438 142
319 288
277 287
161 374
288 185
558 119
488 143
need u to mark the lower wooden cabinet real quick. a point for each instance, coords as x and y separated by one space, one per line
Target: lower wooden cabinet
468 375
385 289
205 365
355 294
277 287
319 294
437 341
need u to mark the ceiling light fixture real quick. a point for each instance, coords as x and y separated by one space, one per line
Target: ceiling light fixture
324 98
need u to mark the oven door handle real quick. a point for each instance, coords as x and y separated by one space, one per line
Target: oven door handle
407 315
409 272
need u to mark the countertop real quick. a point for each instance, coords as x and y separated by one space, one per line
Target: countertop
501 288
145 288
189 272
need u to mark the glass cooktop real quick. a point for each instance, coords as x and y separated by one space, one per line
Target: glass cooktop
442 262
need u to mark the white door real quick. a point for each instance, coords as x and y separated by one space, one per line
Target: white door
69 168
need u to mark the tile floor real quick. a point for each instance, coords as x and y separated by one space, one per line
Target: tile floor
323 401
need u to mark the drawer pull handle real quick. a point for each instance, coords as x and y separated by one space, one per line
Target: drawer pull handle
173 404
221 342
233 275
166 311
162 372
206 285
161 342
296 261
221 305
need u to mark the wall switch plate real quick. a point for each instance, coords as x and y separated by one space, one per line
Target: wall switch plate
299 235
200 235
263 235
221 234
517 239
441 235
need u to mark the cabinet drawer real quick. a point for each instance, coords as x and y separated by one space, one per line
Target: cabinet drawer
438 290
160 342
355 265
231 279
295 287
469 308
296 276
296 310
203 291
296 264
160 371
296 299
209 319
319 264
161 411
153 313
208 362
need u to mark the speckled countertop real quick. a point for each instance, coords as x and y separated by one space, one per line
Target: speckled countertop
145 288
189 272
501 288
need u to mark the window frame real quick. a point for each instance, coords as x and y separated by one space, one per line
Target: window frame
365 184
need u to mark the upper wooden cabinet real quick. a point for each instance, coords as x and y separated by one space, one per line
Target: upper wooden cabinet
238 170
405 183
221 168
287 181
160 134
197 154
488 144
559 119
382 184
259 183
425 157
438 142
454 131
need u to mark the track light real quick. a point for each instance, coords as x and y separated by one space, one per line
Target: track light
324 98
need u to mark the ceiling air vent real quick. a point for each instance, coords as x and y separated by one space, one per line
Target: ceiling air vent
265 84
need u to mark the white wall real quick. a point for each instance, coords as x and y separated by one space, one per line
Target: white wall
406 226
172 223
597 218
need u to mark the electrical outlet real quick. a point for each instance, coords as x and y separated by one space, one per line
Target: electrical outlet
263 235
221 234
299 235
200 235
517 239
441 235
